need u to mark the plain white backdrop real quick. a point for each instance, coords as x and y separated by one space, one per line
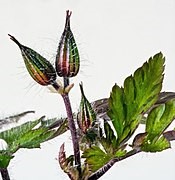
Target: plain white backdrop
114 37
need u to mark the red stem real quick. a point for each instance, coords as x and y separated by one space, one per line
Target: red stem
73 131
4 174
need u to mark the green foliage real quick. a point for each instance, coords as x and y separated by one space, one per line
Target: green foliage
109 141
140 92
156 145
157 122
5 159
28 135
95 158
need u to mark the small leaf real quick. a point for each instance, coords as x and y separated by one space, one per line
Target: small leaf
138 140
156 146
157 122
120 153
66 164
160 118
13 118
95 158
62 127
109 142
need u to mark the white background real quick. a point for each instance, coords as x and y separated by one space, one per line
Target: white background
114 37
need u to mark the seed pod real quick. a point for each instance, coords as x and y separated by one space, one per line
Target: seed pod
67 59
38 67
86 115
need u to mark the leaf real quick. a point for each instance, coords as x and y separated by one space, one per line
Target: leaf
66 164
120 153
156 146
160 118
5 159
13 134
13 118
23 136
139 93
109 142
34 138
62 127
95 158
157 122
117 111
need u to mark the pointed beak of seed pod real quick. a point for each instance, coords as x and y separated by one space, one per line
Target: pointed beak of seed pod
38 67
67 59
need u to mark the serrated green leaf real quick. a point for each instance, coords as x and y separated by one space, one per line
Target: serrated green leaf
157 122
25 136
159 119
117 111
34 138
139 93
14 133
95 158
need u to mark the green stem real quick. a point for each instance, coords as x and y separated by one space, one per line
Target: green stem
4 174
73 131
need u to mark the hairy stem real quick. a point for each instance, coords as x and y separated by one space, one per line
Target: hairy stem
107 166
4 174
73 131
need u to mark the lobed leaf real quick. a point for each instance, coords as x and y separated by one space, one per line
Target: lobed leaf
15 133
160 118
95 158
157 122
140 92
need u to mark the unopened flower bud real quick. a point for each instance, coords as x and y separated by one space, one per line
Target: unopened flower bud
40 69
86 115
67 59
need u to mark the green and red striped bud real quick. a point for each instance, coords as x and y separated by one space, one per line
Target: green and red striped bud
40 69
67 59
86 115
